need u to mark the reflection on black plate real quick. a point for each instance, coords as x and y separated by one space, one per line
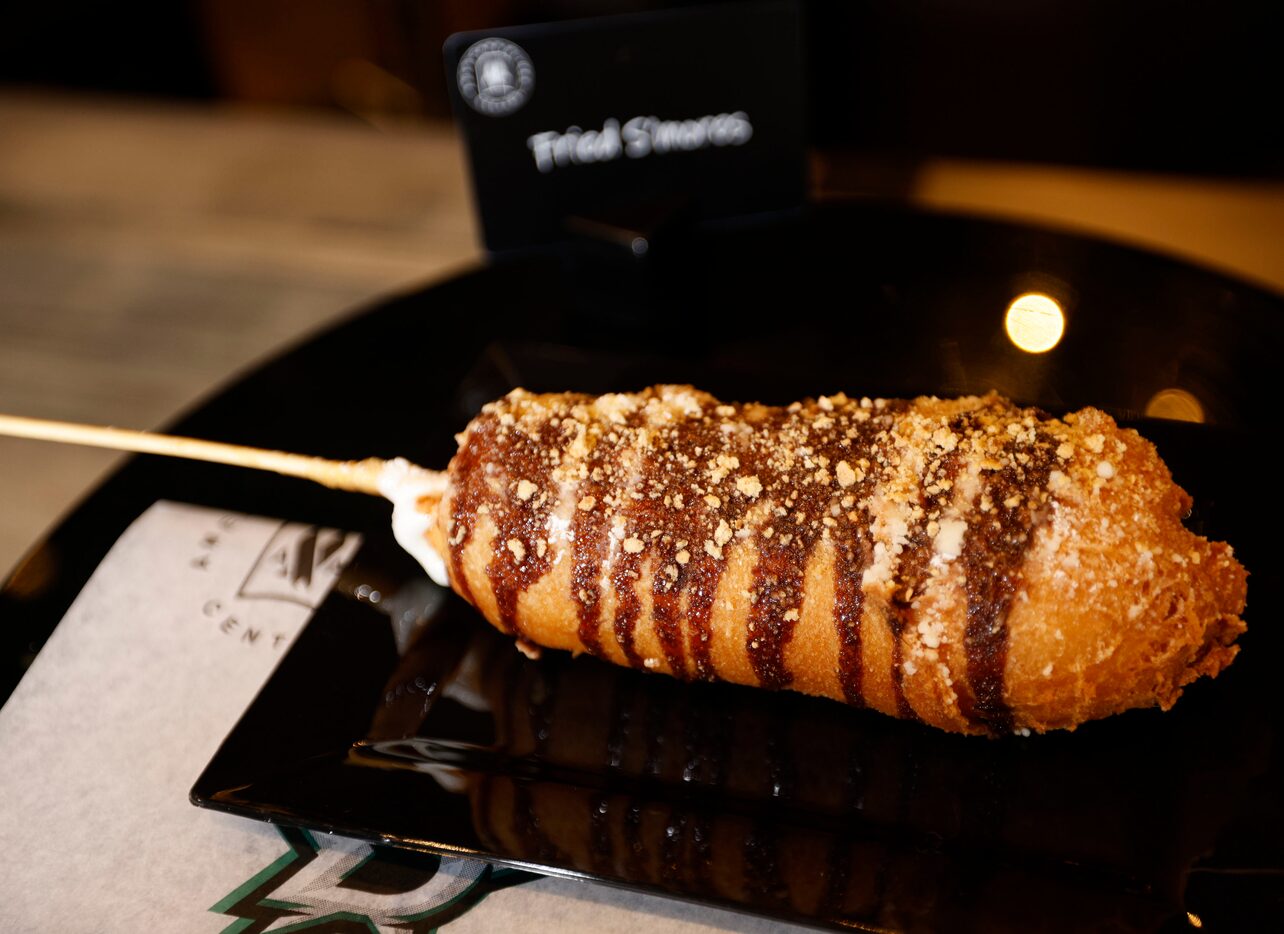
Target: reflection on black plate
779 804
774 803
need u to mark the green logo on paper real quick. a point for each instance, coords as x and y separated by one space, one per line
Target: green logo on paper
346 885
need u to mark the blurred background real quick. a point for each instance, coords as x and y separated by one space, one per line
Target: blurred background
188 187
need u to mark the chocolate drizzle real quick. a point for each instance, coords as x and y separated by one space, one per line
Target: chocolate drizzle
466 470
590 539
675 492
588 553
896 620
851 557
659 489
701 587
628 605
998 538
817 487
680 566
520 518
666 607
914 568
853 552
519 556
777 591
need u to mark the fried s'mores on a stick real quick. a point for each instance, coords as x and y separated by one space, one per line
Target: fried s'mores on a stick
973 565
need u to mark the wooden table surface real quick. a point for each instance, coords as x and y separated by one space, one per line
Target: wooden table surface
149 252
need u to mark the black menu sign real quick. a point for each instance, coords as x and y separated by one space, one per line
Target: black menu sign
699 110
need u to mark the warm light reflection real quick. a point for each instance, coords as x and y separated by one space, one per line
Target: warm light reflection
1176 404
1035 322
1194 920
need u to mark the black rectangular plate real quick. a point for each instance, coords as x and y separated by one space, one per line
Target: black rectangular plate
776 804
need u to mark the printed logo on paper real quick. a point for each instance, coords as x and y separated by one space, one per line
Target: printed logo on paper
300 564
342 884
496 77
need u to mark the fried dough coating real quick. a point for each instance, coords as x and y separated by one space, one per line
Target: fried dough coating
967 563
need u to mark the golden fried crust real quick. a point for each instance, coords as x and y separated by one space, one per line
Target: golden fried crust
1124 606
967 563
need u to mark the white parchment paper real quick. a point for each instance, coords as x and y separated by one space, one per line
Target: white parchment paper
152 666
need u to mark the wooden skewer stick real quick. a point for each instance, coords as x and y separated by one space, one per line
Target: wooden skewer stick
358 476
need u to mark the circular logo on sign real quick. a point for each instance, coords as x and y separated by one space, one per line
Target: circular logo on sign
496 77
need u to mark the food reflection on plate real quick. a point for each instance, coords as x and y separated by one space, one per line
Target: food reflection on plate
801 807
